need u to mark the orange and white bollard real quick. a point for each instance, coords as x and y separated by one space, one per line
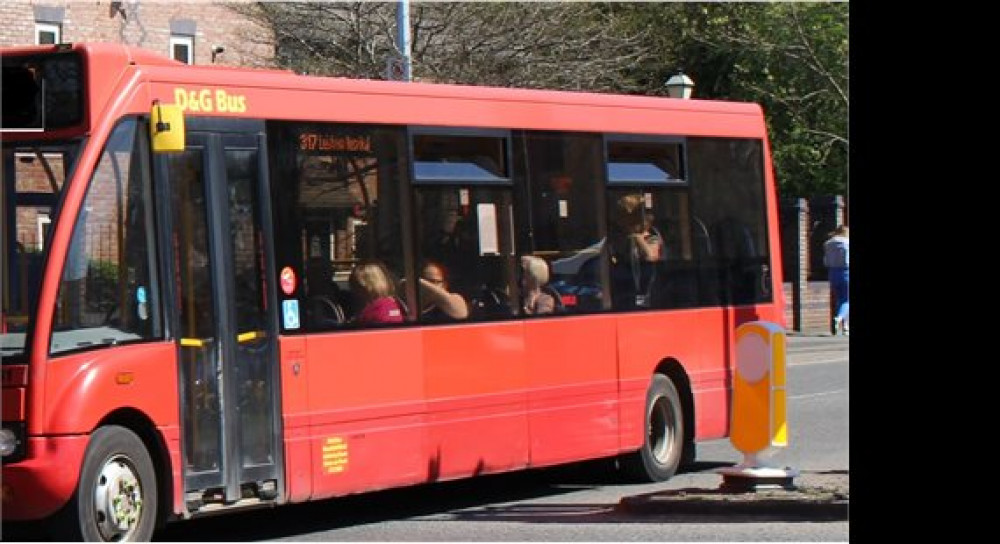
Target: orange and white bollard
759 422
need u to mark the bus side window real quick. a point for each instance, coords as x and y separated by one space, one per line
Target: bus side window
561 216
464 218
728 197
340 204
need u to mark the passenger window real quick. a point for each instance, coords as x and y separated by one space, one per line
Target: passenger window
464 219
109 292
651 253
559 178
727 179
338 201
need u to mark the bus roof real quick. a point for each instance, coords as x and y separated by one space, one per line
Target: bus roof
282 94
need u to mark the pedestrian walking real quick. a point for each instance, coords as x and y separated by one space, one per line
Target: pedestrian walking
836 257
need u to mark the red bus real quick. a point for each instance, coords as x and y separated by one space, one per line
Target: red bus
179 325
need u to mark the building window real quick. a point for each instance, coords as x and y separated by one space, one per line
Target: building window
47 33
182 49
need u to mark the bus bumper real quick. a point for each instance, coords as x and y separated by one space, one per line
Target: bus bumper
44 481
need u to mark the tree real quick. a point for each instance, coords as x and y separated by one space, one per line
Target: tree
531 44
792 58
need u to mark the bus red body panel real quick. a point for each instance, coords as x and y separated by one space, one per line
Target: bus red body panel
296 417
357 422
172 438
85 387
572 388
279 96
474 386
42 483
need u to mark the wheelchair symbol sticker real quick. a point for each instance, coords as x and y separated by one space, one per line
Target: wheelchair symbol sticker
290 311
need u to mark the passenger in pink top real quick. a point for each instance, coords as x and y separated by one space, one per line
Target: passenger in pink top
371 282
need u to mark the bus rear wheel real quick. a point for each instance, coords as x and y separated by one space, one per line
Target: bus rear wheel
115 498
663 448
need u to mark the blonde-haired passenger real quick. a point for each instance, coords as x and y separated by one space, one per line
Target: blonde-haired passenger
372 283
534 276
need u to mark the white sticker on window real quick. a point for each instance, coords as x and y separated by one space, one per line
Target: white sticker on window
488 238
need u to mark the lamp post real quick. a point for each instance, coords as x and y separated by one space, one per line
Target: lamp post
403 38
680 86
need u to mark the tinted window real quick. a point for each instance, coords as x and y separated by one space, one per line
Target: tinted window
560 178
42 91
729 213
337 202
464 224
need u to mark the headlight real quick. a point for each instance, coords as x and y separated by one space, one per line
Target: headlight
12 443
8 442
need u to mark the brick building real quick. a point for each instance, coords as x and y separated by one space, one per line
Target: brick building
196 32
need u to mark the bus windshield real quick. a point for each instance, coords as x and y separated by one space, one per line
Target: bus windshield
34 175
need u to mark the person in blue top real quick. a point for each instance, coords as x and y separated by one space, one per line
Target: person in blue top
836 257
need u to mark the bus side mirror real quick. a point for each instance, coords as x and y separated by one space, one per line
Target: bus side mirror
166 128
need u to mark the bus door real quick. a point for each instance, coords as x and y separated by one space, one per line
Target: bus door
224 317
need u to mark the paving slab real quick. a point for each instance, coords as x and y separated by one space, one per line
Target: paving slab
813 496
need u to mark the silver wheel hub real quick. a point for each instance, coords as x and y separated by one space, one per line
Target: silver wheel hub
117 499
661 430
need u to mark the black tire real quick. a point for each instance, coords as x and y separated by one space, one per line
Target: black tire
116 469
663 448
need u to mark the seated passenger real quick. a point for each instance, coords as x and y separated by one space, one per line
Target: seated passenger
648 241
324 304
439 304
371 283
534 276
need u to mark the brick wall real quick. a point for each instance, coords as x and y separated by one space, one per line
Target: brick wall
805 225
146 24
813 307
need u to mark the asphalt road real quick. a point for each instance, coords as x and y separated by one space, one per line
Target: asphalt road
581 502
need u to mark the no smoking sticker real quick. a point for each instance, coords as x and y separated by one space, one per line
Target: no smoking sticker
287 280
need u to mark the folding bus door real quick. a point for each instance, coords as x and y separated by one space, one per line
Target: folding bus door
225 321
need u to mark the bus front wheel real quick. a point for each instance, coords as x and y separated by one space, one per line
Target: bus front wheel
661 452
115 499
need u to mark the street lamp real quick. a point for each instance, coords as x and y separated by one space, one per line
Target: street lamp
680 86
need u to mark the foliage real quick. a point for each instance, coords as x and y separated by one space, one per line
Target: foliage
792 58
